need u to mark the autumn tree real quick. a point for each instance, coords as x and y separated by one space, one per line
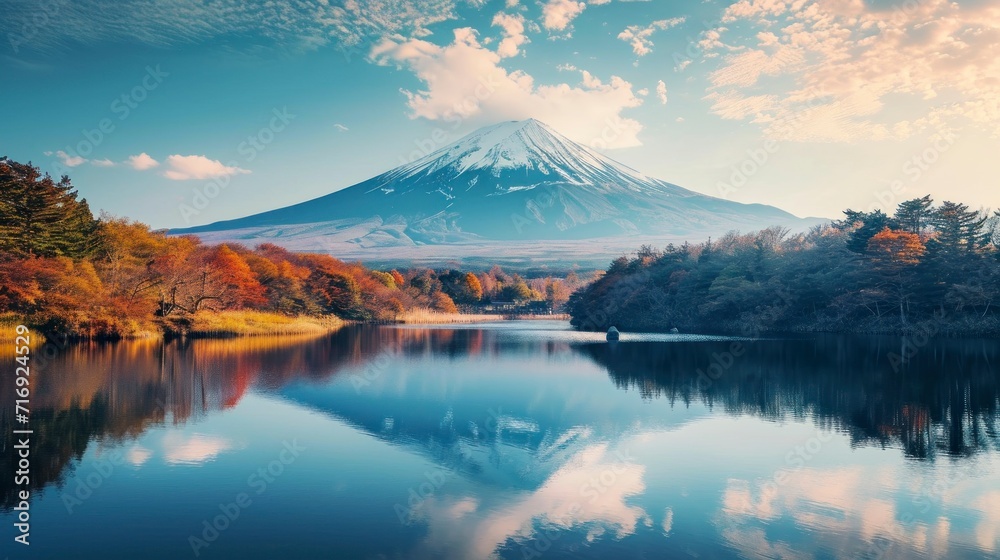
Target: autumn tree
339 293
127 250
862 226
556 293
895 249
20 288
894 253
385 278
397 278
441 302
517 290
222 279
473 287
172 271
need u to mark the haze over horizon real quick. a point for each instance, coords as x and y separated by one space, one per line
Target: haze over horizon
824 105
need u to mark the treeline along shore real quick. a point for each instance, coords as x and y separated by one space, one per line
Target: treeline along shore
64 271
927 269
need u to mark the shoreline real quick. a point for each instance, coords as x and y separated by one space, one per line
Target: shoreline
243 324
756 333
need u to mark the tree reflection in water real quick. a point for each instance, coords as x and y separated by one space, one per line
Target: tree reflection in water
944 401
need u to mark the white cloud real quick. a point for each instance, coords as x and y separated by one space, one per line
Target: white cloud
661 92
141 162
757 9
340 127
350 25
643 92
192 450
988 530
102 162
137 455
66 159
464 82
198 167
668 521
639 36
849 71
514 37
557 14
862 501
710 40
566 500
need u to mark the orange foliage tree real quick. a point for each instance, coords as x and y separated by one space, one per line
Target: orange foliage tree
893 254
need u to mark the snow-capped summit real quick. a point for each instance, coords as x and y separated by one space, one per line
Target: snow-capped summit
516 181
530 145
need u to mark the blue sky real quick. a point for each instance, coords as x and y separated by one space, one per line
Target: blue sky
215 110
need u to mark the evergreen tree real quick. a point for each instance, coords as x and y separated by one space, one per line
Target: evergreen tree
959 229
862 227
914 216
40 217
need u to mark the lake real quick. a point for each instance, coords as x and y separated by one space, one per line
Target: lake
513 440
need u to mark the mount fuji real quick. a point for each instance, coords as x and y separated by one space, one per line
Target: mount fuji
514 192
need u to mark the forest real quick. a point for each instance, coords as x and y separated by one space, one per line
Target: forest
65 271
927 269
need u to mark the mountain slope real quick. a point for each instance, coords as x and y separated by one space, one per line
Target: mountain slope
516 181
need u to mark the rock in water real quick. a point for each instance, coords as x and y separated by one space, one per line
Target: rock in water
613 334
674 330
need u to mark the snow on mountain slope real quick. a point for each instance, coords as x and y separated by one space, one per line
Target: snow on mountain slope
529 145
513 181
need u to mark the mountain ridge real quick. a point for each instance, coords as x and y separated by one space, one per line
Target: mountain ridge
512 182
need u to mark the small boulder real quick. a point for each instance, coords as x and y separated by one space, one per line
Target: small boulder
613 334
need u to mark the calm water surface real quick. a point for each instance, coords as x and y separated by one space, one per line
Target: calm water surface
513 440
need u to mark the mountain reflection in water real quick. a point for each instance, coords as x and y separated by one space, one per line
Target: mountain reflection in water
528 413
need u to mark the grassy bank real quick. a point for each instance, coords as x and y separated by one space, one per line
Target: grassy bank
243 323
252 323
429 316
8 329
223 324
